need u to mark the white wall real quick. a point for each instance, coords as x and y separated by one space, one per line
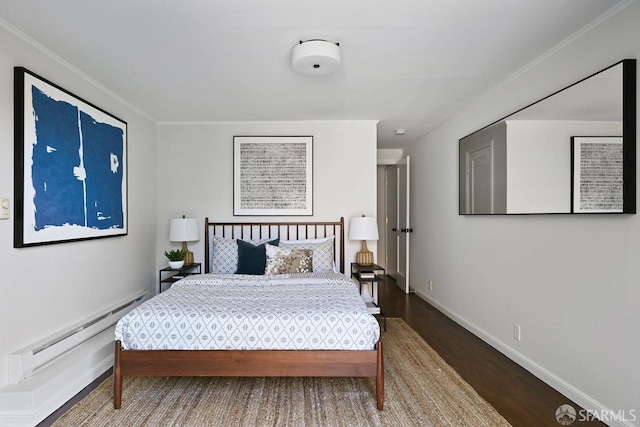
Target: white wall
571 282
195 173
48 288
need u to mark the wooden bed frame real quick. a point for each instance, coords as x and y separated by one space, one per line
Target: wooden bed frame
256 363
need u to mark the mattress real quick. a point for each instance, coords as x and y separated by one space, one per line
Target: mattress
305 311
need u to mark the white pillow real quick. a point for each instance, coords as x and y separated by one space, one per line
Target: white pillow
224 254
323 261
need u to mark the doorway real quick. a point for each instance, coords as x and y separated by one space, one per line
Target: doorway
395 224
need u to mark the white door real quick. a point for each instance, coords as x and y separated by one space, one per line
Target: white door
404 225
397 223
479 177
391 220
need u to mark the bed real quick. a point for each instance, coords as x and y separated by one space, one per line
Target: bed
259 353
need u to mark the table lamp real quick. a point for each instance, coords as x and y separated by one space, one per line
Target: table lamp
363 228
184 230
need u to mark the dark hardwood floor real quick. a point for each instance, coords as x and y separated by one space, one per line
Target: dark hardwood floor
521 398
516 394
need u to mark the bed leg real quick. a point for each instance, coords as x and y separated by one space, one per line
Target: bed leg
380 378
117 377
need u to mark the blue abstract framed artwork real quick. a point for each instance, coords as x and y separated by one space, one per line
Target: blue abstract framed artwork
70 166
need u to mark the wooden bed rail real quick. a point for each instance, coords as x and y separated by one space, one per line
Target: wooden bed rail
249 363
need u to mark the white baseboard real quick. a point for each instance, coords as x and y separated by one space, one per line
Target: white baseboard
34 399
569 391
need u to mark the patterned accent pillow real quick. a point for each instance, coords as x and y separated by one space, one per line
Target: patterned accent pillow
322 252
286 261
224 254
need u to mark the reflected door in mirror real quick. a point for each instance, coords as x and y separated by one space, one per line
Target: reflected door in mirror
483 170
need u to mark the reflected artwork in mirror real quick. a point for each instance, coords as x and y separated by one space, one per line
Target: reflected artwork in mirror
573 151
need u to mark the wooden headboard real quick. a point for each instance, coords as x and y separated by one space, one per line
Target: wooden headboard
272 230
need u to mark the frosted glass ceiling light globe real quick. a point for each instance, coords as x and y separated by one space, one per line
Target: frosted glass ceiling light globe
316 57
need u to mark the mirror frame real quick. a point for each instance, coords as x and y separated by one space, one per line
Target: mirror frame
628 143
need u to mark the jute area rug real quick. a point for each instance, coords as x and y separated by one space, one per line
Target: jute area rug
420 390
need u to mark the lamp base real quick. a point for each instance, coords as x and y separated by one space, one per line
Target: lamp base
365 256
188 255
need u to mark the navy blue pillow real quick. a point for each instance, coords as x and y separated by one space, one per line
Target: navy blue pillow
252 259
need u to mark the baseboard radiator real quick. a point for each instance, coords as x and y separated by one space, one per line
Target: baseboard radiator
46 374
23 363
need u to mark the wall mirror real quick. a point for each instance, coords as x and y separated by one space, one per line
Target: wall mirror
573 151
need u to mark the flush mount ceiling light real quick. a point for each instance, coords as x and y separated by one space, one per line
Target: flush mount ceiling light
316 57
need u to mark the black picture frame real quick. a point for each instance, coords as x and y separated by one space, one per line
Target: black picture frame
70 166
597 178
272 175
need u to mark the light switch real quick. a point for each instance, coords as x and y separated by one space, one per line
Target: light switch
4 208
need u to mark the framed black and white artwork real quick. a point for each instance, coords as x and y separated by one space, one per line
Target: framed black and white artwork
70 166
273 175
596 174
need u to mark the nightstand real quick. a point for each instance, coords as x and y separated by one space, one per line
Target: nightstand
170 275
373 274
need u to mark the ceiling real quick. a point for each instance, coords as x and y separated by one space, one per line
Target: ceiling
410 64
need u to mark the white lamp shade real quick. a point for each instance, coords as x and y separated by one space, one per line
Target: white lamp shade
183 230
363 228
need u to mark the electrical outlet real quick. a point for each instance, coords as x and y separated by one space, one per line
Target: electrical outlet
516 332
430 285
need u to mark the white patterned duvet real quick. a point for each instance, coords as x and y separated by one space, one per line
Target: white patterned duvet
314 311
